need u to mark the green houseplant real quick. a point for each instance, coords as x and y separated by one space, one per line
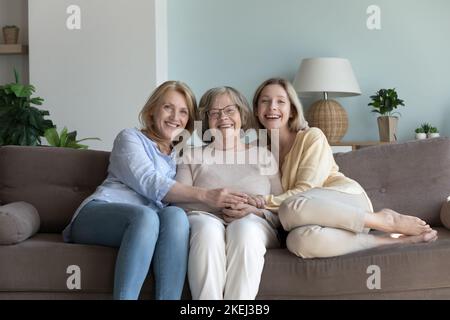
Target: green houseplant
420 134
425 127
384 102
426 130
433 132
65 139
20 122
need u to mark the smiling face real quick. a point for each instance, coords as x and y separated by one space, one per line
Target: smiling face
274 107
170 116
224 116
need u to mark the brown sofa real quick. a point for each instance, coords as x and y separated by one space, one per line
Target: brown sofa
411 177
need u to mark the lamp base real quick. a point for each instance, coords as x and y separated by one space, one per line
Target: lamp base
330 117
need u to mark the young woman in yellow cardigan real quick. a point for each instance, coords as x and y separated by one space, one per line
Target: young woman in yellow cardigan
326 213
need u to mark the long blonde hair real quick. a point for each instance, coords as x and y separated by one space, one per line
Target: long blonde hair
298 121
146 118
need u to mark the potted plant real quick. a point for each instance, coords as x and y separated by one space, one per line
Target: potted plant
420 134
384 102
20 122
11 34
425 127
433 133
65 139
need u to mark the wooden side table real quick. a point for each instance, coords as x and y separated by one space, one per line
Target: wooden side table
346 146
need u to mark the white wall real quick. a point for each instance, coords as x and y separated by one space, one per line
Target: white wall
95 80
14 12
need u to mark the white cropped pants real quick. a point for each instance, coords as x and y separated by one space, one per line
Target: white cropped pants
325 223
226 261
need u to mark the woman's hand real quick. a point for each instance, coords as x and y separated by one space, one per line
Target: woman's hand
222 198
257 201
240 210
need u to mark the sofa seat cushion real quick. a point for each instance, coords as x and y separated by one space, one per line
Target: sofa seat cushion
40 264
406 269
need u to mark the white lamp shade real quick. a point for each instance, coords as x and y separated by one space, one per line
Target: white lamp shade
332 75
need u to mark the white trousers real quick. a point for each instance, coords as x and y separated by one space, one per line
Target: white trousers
226 261
326 223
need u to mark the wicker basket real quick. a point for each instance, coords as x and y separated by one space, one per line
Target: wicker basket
11 35
330 117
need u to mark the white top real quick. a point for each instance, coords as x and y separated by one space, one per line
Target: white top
253 170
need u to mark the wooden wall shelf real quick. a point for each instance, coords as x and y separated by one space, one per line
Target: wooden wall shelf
355 145
13 49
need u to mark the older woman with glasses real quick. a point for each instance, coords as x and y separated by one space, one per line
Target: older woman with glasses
227 246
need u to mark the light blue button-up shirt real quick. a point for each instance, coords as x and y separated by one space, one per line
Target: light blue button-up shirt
138 173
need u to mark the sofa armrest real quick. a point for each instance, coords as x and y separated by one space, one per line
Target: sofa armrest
18 222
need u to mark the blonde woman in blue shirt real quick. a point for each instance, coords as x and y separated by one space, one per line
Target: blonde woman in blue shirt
129 210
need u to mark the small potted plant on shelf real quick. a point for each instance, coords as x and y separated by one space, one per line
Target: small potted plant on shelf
420 134
425 127
433 133
384 102
11 34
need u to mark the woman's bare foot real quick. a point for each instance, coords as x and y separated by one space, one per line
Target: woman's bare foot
424 237
388 220
429 236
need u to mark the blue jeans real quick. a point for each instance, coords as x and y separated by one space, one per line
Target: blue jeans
141 234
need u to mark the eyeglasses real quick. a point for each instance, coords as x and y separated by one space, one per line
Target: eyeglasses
227 111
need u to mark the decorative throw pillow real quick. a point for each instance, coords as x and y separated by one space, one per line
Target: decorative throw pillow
18 222
445 213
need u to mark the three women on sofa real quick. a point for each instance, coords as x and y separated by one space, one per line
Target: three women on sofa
317 204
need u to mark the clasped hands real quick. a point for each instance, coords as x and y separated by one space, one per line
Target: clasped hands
235 205
251 204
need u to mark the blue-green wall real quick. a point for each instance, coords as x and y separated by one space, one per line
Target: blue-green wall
243 42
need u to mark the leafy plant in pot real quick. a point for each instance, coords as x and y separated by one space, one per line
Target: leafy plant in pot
433 133
20 122
65 139
384 102
426 130
420 134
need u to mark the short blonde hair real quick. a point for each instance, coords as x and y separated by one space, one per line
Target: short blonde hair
298 121
145 116
238 99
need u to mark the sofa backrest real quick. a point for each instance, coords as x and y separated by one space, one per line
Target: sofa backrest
410 177
54 180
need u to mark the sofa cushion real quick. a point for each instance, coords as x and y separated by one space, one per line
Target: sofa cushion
54 180
406 271
445 213
412 177
40 264
18 221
